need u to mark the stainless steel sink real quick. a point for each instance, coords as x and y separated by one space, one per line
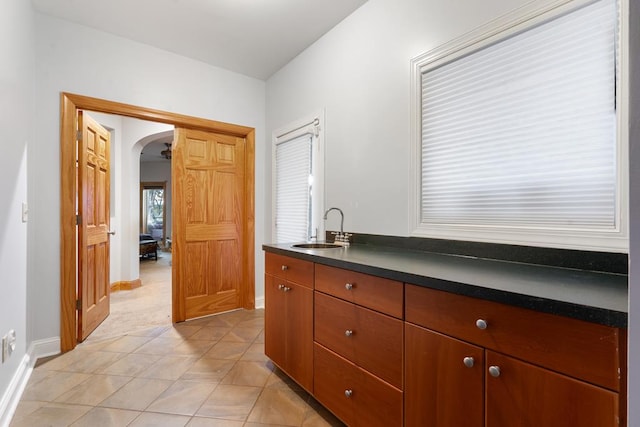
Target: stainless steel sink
316 246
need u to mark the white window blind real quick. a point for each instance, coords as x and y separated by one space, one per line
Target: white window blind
523 133
293 199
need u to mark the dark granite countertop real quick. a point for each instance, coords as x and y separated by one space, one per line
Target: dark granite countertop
592 296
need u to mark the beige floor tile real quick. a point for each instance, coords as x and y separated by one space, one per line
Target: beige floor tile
159 346
126 344
183 397
255 353
93 361
279 406
255 322
150 332
181 330
136 394
94 390
228 350
106 417
210 333
130 365
208 369
248 373
220 322
150 419
53 386
260 337
169 367
213 422
26 407
230 402
242 334
192 348
318 416
52 415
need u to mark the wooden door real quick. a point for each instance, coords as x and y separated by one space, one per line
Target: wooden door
209 215
440 389
93 175
524 395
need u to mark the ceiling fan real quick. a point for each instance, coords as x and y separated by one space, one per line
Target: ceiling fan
166 153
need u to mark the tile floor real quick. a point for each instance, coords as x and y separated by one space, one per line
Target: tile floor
206 372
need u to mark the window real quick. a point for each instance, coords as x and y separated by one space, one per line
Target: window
298 181
518 139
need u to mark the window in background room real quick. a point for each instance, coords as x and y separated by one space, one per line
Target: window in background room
519 140
298 181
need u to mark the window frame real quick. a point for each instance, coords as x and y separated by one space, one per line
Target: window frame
518 20
312 124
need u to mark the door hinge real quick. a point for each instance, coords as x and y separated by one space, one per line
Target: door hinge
79 135
78 219
78 304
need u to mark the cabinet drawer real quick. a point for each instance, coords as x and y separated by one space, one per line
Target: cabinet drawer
352 394
524 395
292 269
376 293
371 340
580 349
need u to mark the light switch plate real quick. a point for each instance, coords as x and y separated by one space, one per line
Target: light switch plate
25 212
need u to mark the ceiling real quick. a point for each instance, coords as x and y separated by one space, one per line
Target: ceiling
251 37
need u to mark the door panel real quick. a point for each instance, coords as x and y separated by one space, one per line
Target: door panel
93 238
208 222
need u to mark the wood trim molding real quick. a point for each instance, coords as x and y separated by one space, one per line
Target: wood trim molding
69 104
126 285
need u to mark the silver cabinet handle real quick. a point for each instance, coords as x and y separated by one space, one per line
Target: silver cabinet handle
468 362
281 286
285 268
348 332
286 289
494 371
481 324
111 232
348 393
348 286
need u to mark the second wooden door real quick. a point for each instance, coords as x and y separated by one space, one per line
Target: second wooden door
209 211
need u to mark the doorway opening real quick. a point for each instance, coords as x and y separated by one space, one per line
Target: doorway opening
194 133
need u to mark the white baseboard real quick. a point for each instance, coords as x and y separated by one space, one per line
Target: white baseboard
13 393
260 302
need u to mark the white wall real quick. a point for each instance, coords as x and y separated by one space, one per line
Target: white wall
359 72
17 94
77 59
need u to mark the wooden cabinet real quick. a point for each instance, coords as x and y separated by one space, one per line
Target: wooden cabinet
289 318
529 368
359 346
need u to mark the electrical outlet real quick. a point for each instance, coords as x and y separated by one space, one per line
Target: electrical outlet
8 345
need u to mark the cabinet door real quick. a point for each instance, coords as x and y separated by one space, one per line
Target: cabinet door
440 389
523 395
299 333
274 321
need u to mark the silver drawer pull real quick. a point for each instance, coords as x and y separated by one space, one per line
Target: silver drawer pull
481 324
281 286
468 362
494 371
348 393
348 286
286 289
285 268
348 332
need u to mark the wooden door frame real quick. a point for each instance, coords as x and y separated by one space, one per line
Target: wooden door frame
69 104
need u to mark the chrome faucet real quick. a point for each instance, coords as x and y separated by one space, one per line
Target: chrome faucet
341 238
341 217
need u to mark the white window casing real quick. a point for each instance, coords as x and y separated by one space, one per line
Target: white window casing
519 131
